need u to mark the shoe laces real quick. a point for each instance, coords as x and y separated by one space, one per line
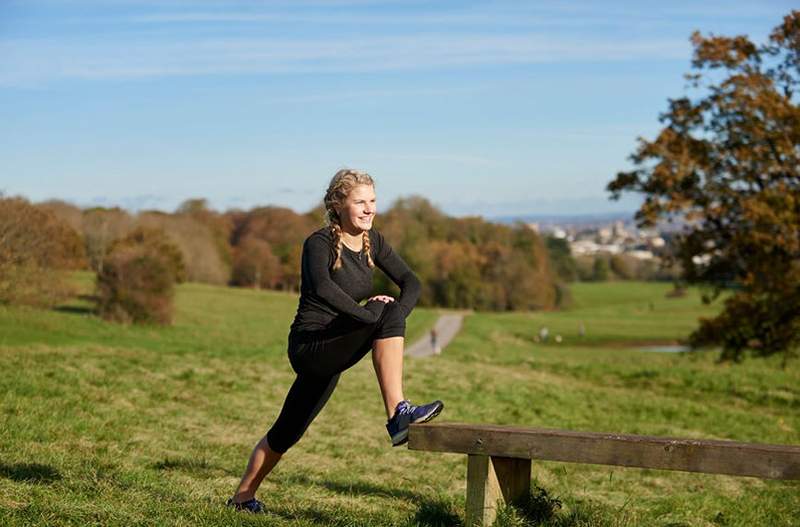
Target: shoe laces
405 407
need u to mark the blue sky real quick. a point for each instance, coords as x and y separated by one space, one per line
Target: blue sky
490 108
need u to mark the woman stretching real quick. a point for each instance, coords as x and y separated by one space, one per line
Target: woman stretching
331 331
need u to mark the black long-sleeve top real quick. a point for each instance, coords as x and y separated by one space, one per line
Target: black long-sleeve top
326 295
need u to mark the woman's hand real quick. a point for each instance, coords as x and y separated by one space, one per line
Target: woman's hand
382 298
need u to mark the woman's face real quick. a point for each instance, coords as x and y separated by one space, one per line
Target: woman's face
359 209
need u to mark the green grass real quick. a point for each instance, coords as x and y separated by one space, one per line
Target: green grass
102 424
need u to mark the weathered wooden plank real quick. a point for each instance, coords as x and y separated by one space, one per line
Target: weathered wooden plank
492 481
693 455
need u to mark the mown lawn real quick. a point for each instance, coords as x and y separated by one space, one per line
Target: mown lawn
111 425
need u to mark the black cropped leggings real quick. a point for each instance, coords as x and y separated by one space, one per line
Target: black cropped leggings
318 358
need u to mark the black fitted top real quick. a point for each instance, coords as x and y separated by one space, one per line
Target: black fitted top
326 295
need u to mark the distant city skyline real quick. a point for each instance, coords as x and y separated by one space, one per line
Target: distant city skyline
491 109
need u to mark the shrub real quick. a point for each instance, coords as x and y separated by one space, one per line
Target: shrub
159 243
137 280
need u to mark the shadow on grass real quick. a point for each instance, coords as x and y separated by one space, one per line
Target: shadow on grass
356 487
540 509
320 516
437 511
197 467
432 513
29 472
75 310
80 309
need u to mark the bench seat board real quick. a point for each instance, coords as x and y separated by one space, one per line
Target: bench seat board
692 455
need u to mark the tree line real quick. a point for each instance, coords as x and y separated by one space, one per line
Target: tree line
461 262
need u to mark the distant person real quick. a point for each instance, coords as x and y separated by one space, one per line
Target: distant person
331 331
543 332
581 330
434 344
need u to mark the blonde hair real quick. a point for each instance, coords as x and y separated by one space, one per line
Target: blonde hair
343 182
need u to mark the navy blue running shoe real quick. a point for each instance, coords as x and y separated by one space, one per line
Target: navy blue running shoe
405 414
251 505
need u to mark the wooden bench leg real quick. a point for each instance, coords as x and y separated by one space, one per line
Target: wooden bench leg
492 481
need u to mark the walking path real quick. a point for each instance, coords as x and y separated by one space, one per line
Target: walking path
446 327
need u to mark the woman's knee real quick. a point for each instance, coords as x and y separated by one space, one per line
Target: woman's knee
392 321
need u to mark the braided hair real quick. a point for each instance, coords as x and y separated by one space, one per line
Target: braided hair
340 186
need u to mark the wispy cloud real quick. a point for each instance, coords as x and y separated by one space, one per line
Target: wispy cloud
29 60
539 15
122 39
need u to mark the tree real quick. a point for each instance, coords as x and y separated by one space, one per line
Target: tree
284 231
456 278
101 227
600 269
254 264
36 248
197 242
562 259
727 163
624 267
219 224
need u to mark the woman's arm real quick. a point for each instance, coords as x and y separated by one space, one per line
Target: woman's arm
317 260
396 269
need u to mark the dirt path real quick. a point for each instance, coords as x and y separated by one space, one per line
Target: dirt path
446 327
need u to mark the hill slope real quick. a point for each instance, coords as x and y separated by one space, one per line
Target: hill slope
110 425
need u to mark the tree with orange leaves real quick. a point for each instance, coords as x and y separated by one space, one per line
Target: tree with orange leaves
727 163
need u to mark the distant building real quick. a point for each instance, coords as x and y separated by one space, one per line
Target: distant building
641 255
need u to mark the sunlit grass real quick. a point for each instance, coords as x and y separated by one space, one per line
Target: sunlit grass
104 424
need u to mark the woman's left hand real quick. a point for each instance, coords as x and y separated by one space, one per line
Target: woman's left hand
382 298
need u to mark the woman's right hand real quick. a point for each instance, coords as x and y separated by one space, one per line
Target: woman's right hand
382 298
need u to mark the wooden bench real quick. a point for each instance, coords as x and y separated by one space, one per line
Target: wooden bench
499 462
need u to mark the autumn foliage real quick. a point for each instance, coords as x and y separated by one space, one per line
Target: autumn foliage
35 250
469 262
138 276
728 163
138 258
267 244
255 265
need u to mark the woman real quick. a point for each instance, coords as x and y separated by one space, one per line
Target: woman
331 331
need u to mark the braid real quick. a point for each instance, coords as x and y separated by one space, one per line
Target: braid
336 233
366 249
338 190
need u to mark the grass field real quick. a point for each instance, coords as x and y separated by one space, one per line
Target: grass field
111 425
